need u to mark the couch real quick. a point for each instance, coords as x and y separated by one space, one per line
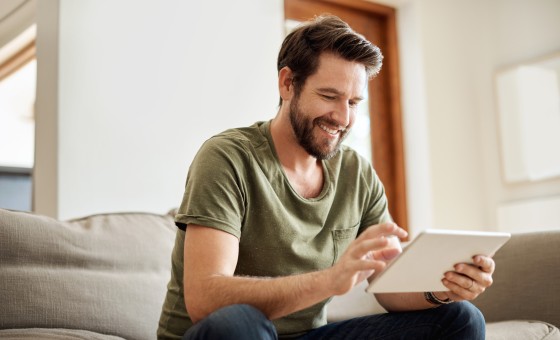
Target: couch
105 276
98 277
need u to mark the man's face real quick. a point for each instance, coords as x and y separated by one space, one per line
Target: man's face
325 109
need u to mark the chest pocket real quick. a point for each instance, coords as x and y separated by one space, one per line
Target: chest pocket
342 239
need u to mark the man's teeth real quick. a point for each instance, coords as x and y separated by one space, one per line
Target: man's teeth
331 131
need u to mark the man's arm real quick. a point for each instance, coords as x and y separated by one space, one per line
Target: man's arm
467 282
211 257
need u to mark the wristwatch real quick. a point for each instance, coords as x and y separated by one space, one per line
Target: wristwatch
434 300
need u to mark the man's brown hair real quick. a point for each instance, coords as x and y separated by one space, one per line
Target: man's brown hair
302 48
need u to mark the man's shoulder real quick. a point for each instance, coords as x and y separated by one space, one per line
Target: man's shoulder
235 142
350 157
351 164
249 134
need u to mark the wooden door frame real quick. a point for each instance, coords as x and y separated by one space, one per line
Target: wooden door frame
386 126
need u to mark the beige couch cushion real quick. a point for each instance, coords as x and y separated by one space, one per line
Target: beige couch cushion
522 330
53 334
526 280
105 273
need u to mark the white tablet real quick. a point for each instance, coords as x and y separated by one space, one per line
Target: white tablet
421 265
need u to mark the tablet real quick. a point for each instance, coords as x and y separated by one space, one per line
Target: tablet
422 264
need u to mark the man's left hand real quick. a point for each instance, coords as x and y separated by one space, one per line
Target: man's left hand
468 281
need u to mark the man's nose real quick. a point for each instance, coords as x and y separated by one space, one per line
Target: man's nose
342 113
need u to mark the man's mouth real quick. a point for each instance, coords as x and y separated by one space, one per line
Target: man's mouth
330 131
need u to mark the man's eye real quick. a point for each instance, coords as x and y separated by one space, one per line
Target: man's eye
353 103
328 97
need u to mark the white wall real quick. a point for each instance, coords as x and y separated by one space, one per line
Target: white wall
415 119
524 30
452 43
127 93
451 53
137 87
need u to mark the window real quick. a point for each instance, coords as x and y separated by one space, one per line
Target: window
18 70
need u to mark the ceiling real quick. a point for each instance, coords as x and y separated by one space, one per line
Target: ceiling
15 17
9 6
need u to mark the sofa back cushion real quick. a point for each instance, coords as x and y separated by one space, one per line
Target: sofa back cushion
104 273
526 281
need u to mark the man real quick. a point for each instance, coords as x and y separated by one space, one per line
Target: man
280 217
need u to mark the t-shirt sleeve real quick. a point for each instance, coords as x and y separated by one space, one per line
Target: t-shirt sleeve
214 191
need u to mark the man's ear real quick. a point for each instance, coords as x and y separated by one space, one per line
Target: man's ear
286 83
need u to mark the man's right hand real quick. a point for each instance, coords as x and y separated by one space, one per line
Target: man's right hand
368 253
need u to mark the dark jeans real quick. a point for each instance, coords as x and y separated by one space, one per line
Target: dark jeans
459 320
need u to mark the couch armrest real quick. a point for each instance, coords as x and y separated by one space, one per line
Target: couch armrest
526 281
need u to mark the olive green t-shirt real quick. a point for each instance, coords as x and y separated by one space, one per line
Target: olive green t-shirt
236 184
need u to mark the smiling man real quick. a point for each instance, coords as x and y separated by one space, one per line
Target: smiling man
279 217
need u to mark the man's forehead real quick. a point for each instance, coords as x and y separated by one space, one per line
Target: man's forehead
335 74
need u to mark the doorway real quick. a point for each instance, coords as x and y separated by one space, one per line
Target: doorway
378 24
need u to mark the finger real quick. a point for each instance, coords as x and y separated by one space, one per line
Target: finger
362 247
458 292
364 265
469 270
384 229
386 254
460 280
483 278
353 266
381 248
485 263
467 286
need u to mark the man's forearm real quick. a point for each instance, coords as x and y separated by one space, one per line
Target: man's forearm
275 297
209 283
402 302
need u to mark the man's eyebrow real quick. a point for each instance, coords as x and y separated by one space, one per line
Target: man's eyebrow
334 91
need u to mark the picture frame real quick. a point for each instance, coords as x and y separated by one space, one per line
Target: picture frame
528 106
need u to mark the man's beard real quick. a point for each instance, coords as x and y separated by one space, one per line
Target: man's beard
303 130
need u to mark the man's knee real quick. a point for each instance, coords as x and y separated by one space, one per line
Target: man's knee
468 313
233 322
466 319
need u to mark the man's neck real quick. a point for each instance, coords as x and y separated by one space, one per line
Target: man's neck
290 153
304 171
